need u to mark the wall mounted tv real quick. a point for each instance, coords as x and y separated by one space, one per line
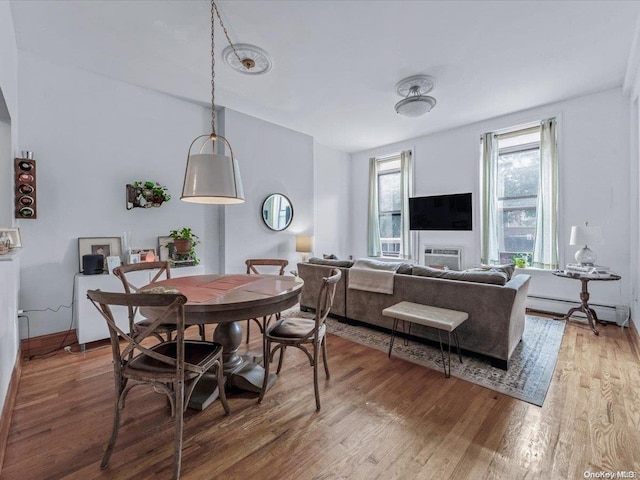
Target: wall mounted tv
441 212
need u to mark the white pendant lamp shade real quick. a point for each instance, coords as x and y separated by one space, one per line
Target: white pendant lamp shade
211 177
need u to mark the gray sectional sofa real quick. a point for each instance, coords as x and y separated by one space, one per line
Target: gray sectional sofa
494 300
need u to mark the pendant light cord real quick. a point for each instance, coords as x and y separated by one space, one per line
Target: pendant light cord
214 12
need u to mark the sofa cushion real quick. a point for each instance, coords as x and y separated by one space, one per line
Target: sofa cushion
507 268
405 269
329 256
331 263
493 277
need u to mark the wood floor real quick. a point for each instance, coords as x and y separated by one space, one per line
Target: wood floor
381 418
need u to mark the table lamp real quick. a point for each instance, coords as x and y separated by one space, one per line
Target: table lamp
304 245
586 235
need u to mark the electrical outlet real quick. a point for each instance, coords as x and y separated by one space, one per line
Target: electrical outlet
67 349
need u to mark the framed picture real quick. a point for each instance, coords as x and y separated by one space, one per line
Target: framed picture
165 247
146 254
112 263
133 258
107 246
13 234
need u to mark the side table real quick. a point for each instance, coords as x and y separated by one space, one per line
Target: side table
584 296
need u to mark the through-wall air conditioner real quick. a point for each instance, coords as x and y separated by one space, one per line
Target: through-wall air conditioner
449 257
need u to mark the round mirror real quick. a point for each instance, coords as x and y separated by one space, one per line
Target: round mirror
277 212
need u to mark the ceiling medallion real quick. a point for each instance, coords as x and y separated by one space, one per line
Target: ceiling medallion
247 59
414 89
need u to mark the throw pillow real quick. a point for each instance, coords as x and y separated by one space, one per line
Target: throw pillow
329 256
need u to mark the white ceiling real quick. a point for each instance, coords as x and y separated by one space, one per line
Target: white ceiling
336 63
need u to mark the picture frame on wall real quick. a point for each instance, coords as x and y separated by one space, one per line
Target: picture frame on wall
13 234
107 246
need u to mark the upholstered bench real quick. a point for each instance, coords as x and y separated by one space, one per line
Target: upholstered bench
435 317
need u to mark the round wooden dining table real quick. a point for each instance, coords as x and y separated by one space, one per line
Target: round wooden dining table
226 300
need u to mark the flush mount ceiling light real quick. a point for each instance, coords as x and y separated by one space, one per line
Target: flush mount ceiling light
211 176
416 102
247 59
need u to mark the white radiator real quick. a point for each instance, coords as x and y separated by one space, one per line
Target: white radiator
450 257
610 313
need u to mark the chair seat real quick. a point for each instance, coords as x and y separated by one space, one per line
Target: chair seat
294 327
163 327
196 352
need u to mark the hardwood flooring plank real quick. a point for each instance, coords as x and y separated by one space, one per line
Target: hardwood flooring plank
381 418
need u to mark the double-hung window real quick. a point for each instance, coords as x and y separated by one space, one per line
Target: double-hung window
519 207
390 186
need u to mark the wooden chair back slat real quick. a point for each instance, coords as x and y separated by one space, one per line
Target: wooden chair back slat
268 262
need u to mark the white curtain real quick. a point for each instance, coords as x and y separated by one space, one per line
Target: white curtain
406 191
545 248
374 247
489 209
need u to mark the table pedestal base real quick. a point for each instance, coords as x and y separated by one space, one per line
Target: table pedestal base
205 392
585 308
250 378
241 372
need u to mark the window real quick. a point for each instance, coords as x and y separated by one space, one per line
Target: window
389 206
517 193
390 186
519 206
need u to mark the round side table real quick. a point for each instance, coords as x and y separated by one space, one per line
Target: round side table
584 296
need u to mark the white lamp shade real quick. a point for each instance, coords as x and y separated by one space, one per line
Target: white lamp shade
212 178
304 243
586 235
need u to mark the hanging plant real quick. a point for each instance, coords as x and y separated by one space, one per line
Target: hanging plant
153 193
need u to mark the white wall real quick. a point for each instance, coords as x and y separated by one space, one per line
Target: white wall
9 274
594 185
8 98
90 136
331 202
272 159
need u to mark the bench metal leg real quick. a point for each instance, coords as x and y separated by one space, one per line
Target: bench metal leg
393 335
445 367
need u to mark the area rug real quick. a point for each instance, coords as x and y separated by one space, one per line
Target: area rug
527 379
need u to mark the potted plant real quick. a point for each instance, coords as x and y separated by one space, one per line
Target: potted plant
520 261
185 241
153 193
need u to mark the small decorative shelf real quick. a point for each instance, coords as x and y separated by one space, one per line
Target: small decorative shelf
146 194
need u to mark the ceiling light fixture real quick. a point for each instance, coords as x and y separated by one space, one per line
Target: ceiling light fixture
415 103
211 176
247 59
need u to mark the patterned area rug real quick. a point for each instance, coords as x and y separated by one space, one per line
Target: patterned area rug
529 374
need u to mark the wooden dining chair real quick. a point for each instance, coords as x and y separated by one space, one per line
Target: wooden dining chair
302 332
163 273
173 367
251 269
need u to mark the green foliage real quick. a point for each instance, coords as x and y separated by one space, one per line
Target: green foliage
185 233
157 190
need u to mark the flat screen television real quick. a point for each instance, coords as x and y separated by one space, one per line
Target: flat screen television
441 212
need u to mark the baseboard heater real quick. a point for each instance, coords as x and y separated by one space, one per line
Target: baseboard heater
618 314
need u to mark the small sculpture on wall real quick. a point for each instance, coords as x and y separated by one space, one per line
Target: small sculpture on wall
146 194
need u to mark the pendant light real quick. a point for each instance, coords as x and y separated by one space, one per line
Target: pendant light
211 176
